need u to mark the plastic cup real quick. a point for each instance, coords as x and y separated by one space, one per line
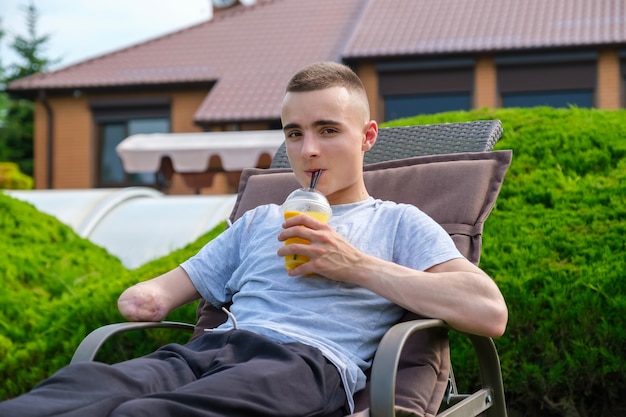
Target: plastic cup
304 201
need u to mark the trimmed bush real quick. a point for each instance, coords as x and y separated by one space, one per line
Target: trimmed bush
554 244
11 178
57 287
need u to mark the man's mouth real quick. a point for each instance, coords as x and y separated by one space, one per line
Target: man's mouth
310 172
315 175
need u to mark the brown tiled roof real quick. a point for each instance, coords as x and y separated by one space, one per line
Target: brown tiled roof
250 52
409 27
262 48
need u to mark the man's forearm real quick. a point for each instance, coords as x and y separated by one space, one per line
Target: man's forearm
455 291
152 300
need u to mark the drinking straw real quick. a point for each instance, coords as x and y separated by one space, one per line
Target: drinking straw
315 176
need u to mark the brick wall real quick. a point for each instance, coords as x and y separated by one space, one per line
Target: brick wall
184 107
485 83
72 165
609 87
75 140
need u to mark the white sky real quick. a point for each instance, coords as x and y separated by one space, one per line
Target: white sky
82 29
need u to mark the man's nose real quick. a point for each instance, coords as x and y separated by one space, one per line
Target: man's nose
310 147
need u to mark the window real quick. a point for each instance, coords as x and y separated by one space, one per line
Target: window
111 172
556 80
426 87
410 105
563 98
116 120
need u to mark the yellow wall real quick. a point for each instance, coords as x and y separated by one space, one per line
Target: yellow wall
367 72
71 143
184 107
486 94
73 131
609 80
485 83
75 136
40 151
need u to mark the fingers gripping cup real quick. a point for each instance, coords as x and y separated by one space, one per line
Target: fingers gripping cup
304 201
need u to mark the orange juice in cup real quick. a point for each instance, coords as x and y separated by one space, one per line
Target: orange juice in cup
304 201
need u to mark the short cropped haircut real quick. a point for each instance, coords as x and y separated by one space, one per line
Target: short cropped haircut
328 74
322 75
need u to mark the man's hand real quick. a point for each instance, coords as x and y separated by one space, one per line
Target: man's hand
330 255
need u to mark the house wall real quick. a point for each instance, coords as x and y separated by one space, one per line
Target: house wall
485 83
73 143
184 107
75 136
40 150
606 72
367 72
71 129
609 80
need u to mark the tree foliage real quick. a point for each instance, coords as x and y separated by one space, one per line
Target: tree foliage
16 114
30 49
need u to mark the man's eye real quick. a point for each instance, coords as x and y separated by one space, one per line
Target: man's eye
292 135
329 131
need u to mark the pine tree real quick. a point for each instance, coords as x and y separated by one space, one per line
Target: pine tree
16 114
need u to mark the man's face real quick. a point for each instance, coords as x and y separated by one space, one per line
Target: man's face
328 130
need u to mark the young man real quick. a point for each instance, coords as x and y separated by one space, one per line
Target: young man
306 336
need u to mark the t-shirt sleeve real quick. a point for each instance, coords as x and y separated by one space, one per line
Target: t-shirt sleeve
211 268
421 242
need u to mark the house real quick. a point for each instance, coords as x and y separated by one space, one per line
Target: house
228 74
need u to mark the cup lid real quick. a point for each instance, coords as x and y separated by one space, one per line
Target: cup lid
307 199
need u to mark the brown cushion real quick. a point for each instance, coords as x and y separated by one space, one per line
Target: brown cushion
458 191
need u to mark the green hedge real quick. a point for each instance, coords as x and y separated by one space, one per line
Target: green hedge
57 287
554 244
11 178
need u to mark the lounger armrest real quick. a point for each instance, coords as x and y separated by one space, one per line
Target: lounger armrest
90 345
385 365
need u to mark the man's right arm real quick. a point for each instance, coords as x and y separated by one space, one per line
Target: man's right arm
152 300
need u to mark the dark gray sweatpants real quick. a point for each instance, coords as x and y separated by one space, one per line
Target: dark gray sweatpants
234 373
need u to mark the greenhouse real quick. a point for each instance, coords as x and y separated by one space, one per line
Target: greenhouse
109 218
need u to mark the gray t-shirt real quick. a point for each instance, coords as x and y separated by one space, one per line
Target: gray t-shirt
346 322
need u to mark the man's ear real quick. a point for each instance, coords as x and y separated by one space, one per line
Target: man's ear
371 133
